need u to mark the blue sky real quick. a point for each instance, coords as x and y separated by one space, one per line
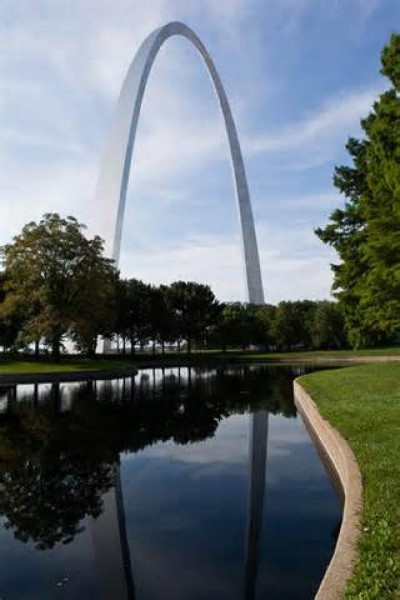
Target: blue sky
299 75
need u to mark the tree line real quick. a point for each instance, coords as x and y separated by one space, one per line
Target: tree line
56 285
187 314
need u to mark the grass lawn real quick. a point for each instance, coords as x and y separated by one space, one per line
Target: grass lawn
238 354
311 354
65 365
27 364
363 403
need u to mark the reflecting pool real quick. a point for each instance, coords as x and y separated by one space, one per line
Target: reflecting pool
174 484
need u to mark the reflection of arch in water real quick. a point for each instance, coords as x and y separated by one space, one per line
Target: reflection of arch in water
115 169
255 501
108 533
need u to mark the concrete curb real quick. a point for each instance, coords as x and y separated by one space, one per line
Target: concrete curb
346 468
58 377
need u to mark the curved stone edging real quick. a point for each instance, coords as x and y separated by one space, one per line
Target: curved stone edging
59 376
344 463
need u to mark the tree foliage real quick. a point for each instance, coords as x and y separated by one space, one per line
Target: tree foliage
133 312
366 231
57 284
194 308
243 325
291 326
327 327
59 280
10 324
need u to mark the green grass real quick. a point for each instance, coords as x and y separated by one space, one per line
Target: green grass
363 403
305 354
239 354
8 367
28 364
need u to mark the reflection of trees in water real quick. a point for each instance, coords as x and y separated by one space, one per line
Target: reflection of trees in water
45 502
59 445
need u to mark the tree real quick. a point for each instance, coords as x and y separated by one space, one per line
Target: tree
59 280
327 328
97 313
265 314
366 232
194 309
133 312
163 323
242 325
292 324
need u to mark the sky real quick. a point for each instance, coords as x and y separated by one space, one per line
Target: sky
299 75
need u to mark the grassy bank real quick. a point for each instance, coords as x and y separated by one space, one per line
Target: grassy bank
67 365
363 403
27 364
309 355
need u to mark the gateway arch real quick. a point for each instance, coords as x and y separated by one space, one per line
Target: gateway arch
114 173
111 200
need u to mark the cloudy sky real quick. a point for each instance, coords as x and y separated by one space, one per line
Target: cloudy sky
299 75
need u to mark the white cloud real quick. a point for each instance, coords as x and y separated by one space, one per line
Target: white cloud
294 262
26 195
338 118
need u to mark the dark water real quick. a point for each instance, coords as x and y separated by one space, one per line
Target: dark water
176 484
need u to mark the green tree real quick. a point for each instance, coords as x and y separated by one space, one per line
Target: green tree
242 325
366 231
163 323
327 329
133 322
97 314
194 308
265 314
10 324
292 324
58 279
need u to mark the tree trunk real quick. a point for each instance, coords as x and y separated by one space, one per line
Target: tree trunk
37 348
189 345
92 348
56 349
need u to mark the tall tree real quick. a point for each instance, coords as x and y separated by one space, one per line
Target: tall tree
366 231
134 312
242 325
327 327
291 326
195 310
58 279
163 323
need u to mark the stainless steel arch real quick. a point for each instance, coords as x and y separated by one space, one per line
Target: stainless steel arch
114 173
